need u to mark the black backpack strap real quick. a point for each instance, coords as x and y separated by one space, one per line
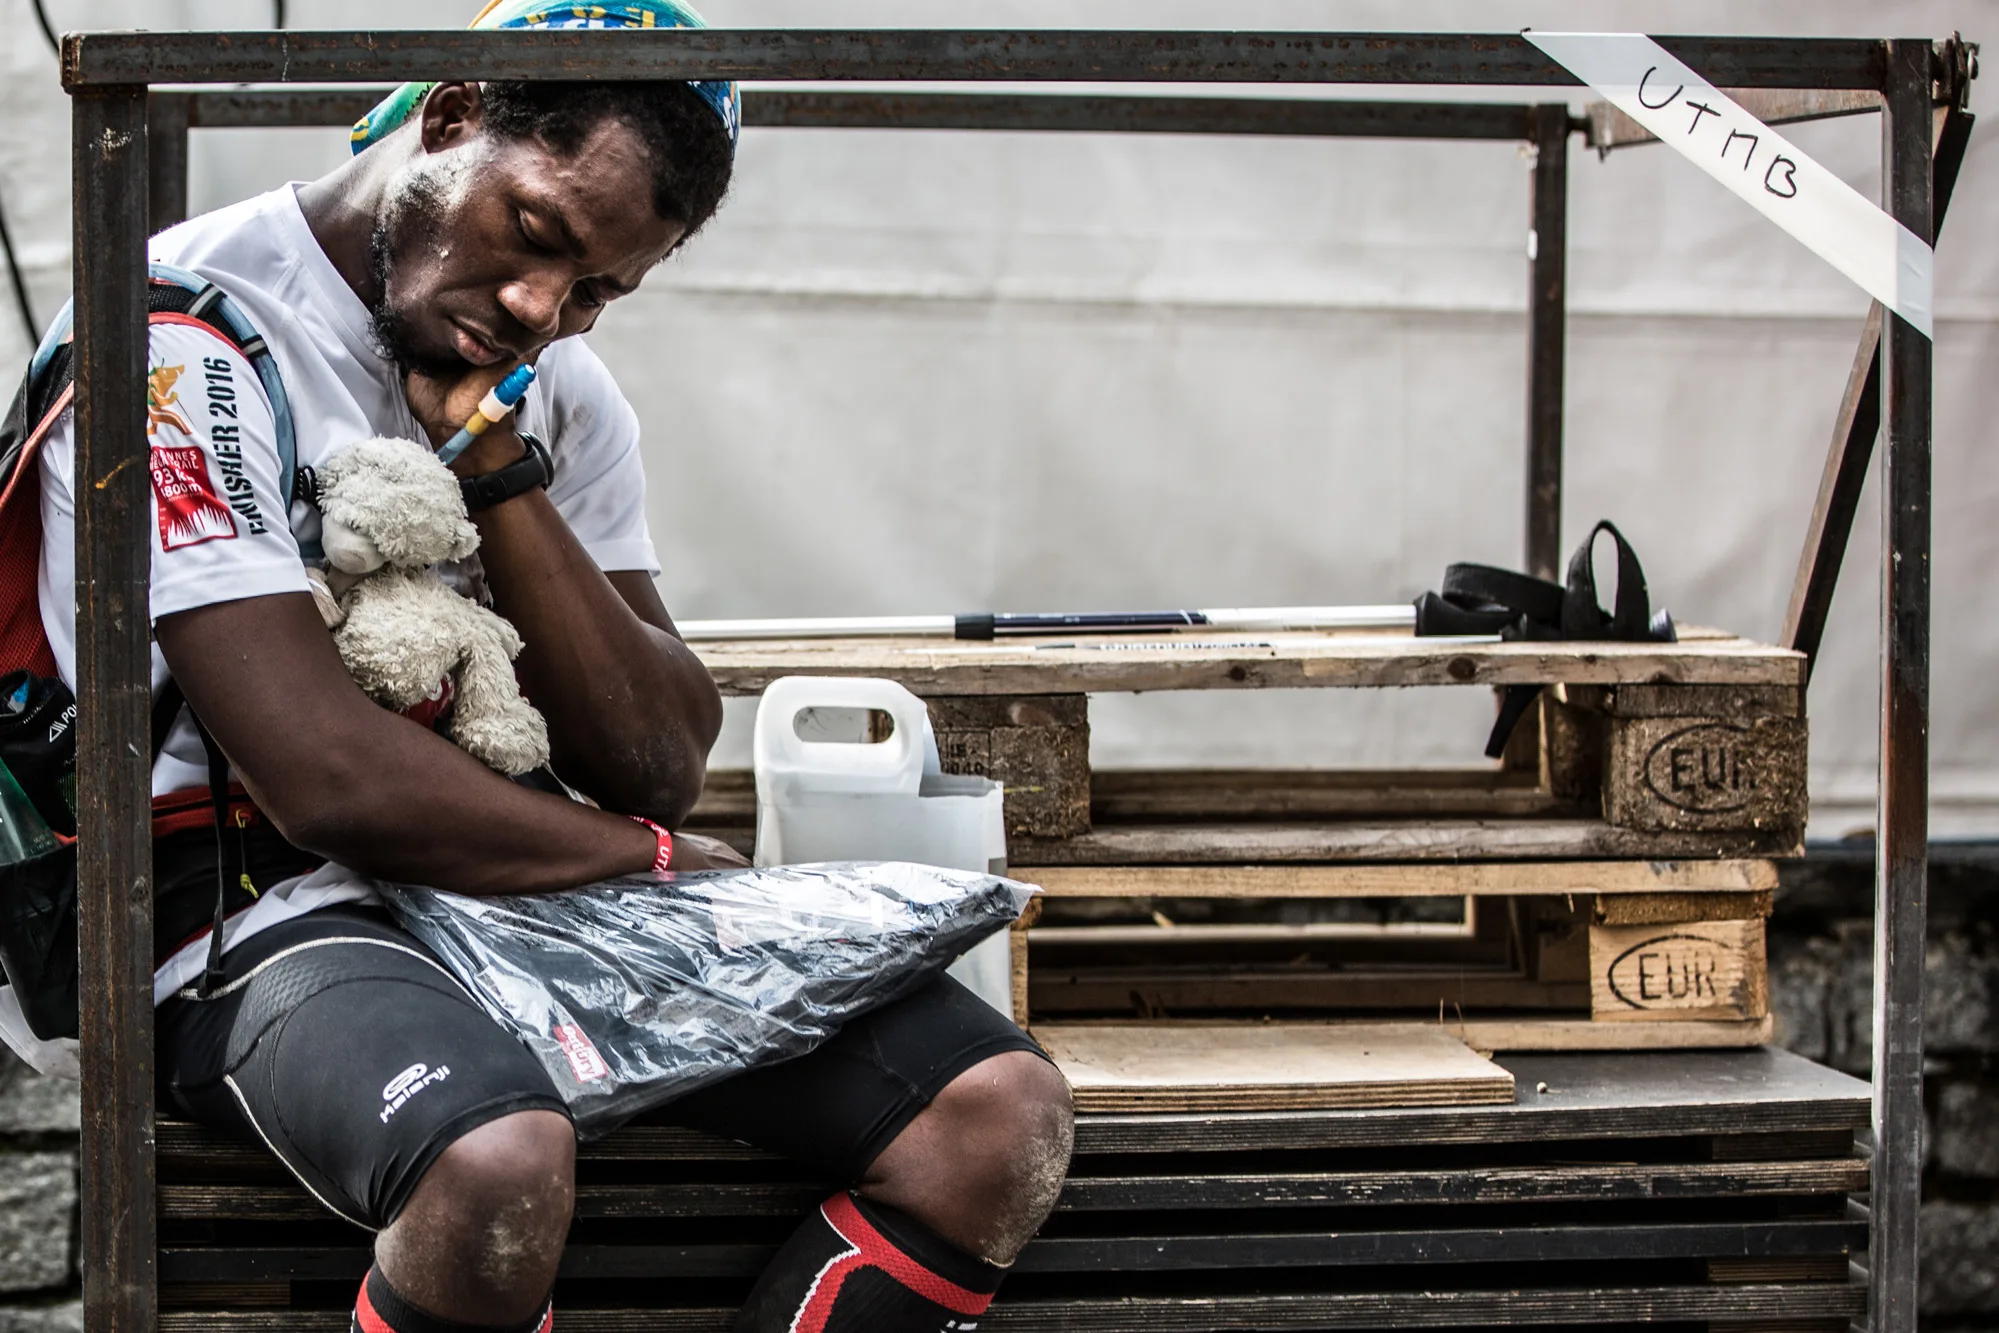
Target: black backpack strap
166 710
218 795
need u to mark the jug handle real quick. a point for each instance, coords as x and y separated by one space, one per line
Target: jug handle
901 756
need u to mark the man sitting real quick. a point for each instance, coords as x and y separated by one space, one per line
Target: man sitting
477 226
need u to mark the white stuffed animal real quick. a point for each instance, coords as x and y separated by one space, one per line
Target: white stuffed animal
389 513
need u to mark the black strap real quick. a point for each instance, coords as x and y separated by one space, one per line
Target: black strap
166 710
218 796
1480 599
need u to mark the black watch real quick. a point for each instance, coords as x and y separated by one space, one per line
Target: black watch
533 471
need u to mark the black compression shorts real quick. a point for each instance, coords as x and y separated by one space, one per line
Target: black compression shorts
346 1048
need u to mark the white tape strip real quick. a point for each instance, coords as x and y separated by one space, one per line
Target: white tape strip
1890 262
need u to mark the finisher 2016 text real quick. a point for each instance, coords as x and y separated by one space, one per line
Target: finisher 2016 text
225 436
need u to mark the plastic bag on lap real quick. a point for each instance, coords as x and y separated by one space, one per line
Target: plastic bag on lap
636 991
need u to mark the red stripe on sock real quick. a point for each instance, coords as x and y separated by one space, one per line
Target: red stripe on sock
369 1320
876 1250
364 1314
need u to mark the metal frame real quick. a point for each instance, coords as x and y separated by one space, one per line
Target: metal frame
108 76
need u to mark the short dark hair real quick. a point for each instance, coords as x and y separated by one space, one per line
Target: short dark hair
692 156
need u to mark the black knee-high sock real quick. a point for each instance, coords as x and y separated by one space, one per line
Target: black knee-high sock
380 1308
859 1267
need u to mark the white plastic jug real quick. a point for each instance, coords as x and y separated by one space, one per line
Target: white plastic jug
845 800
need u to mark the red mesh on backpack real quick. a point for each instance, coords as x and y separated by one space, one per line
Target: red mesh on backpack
23 642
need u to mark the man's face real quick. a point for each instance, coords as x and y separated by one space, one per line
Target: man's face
488 249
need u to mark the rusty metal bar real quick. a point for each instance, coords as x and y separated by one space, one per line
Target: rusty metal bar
167 118
1135 115
114 693
1903 818
264 108
1092 56
1854 429
786 108
1547 322
1610 128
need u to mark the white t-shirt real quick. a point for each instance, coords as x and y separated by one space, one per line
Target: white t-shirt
221 532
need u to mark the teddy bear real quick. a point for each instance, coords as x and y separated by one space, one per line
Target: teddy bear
389 513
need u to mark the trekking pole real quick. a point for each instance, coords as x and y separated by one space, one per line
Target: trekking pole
1007 625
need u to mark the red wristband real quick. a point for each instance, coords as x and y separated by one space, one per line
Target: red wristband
662 859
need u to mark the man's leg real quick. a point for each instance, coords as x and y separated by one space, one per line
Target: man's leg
956 1132
479 1240
983 1163
399 1104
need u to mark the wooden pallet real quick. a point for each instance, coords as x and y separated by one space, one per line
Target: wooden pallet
1615 867
1694 749
1607 1192
1562 955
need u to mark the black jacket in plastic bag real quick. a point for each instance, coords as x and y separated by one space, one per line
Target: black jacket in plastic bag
639 990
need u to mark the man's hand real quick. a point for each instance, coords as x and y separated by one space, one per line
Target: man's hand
696 851
443 406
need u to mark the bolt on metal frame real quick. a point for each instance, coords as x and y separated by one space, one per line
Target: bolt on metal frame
109 75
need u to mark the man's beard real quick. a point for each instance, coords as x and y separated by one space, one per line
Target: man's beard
410 221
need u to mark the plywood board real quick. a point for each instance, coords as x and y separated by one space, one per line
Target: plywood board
1693 969
1433 880
1229 661
1172 1067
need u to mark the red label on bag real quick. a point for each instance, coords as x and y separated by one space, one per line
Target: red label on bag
190 513
584 1062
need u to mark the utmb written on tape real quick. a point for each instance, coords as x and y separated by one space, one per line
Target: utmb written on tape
1780 175
1759 165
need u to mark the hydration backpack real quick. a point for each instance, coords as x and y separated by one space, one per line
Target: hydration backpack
38 896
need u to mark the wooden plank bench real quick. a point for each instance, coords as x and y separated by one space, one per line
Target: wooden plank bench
1695 1187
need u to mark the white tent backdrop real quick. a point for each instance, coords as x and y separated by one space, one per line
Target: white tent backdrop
933 372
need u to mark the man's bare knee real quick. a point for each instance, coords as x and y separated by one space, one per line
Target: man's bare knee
985 1161
482 1233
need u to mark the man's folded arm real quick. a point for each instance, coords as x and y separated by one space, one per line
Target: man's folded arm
343 778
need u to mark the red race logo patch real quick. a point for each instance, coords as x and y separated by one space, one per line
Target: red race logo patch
190 512
584 1062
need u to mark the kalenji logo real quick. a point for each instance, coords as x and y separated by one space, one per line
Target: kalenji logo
190 513
408 1084
584 1062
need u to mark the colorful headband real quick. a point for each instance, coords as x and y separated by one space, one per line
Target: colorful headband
401 104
